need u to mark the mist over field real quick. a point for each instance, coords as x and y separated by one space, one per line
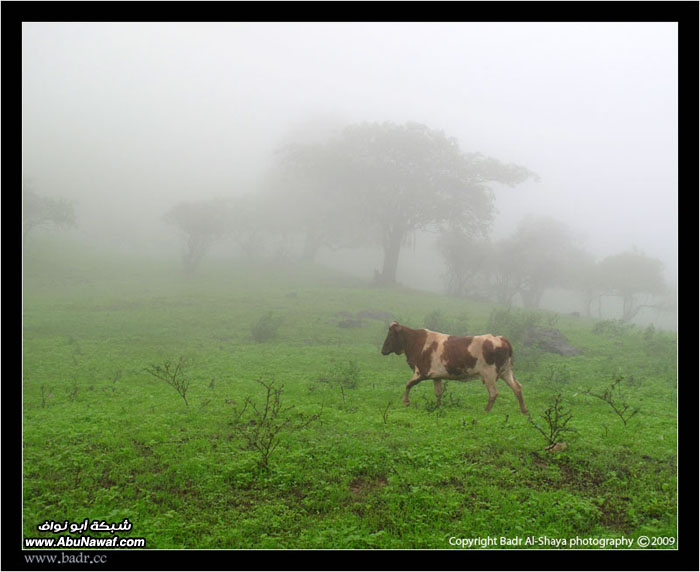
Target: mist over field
127 120
237 235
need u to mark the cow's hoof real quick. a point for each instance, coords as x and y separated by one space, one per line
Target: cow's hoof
406 403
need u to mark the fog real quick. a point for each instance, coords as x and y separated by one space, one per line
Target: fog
128 119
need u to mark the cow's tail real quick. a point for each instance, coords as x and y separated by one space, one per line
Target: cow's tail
508 365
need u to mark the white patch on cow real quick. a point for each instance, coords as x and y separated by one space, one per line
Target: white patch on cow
437 365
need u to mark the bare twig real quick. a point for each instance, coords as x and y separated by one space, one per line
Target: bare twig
173 375
262 429
557 420
613 397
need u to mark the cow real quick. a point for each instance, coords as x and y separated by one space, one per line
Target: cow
436 356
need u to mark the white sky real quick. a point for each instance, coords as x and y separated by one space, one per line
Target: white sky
129 118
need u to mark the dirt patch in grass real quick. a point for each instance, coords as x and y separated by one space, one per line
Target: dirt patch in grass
613 514
360 486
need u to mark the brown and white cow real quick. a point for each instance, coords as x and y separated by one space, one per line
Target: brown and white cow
436 356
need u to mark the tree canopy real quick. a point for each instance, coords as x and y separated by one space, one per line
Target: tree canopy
390 180
38 211
634 277
201 223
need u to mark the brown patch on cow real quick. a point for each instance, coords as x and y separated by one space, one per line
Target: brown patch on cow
456 357
360 486
506 343
413 343
496 354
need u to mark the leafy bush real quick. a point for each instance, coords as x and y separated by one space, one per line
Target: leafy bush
512 323
344 376
649 333
558 375
610 328
265 329
439 322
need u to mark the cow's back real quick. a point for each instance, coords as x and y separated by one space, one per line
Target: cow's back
464 357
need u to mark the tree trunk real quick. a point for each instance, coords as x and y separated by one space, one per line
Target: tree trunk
312 243
531 298
630 308
392 248
196 249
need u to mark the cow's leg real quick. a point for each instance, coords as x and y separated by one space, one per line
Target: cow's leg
490 383
437 385
516 387
417 377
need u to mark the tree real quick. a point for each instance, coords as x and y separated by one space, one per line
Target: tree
635 278
469 264
411 178
306 195
582 274
201 223
244 218
389 181
535 257
506 271
38 211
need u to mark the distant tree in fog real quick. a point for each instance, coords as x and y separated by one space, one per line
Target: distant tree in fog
410 177
535 257
201 224
306 195
582 274
635 278
38 211
247 221
385 182
468 264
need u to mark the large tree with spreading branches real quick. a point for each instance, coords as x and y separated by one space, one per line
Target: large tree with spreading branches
392 180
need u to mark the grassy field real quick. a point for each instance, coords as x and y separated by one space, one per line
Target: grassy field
104 439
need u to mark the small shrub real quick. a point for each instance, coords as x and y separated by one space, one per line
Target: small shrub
347 376
649 333
46 394
265 329
439 322
72 393
344 376
174 375
448 397
612 395
528 357
610 328
556 419
385 413
512 323
559 375
551 319
263 425
115 378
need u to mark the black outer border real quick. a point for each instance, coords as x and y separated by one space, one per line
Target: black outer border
687 15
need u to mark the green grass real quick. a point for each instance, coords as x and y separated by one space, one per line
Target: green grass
103 439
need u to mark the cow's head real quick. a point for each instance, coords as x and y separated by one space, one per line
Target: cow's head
394 341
